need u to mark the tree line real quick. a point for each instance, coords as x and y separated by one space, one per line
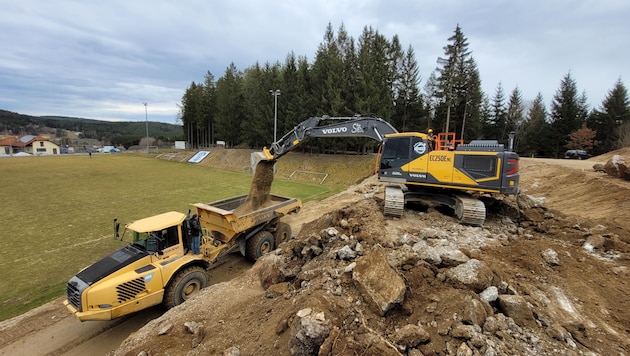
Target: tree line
376 76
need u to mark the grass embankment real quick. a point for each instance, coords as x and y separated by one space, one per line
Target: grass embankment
57 212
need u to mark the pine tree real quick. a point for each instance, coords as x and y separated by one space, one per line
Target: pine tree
457 86
606 121
375 74
471 120
348 81
535 135
495 127
230 113
326 71
514 115
295 98
568 112
209 109
192 112
258 106
410 114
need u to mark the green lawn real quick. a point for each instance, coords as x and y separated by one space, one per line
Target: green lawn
57 212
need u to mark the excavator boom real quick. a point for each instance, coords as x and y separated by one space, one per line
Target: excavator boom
325 126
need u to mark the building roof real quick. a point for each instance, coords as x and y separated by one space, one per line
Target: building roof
21 141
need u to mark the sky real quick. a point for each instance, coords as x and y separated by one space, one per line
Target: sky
105 59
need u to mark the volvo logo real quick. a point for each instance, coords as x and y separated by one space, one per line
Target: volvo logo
334 130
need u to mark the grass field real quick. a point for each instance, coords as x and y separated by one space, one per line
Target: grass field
57 212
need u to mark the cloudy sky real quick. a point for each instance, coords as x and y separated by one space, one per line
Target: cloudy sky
104 59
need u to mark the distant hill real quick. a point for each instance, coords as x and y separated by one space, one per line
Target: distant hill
124 132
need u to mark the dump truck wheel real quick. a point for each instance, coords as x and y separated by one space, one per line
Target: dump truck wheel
260 244
185 284
283 233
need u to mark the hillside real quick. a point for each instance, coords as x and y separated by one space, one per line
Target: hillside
18 124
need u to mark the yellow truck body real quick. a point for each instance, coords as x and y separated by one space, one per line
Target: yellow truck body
158 267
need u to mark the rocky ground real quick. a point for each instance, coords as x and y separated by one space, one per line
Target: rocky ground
546 274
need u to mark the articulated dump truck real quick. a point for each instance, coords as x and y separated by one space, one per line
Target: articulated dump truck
157 265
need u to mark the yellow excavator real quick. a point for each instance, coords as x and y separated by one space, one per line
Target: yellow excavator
444 172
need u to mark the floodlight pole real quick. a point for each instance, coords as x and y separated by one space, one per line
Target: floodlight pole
146 116
275 94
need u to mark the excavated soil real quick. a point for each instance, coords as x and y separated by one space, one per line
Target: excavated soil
546 274
260 189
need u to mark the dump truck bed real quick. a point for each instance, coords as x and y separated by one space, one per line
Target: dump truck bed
219 216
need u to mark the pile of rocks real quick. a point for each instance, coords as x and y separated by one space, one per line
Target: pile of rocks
417 297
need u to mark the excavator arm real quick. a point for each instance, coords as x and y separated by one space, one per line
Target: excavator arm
356 126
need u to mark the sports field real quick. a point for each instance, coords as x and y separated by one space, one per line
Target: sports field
57 213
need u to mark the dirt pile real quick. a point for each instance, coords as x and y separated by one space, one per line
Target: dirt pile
530 281
259 190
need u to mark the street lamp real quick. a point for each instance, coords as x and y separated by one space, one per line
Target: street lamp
275 94
146 116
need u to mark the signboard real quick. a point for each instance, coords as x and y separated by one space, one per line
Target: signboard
180 145
199 156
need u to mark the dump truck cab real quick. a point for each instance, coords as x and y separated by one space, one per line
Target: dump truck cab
135 276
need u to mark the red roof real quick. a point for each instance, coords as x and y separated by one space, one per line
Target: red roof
22 141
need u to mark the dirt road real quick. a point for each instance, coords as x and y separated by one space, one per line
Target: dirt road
569 187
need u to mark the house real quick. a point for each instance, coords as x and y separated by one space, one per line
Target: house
35 145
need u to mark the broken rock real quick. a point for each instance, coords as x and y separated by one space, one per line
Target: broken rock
550 257
489 294
378 281
411 335
474 275
346 253
270 267
516 308
308 332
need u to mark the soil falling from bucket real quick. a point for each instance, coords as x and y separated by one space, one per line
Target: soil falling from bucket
260 188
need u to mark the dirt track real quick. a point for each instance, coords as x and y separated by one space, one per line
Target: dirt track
589 289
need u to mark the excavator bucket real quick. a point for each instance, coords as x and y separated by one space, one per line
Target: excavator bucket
257 157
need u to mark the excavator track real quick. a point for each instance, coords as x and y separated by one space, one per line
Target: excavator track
394 201
469 210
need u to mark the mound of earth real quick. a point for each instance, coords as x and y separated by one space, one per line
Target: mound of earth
546 274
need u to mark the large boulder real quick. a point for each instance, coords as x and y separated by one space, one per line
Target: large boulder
383 288
617 167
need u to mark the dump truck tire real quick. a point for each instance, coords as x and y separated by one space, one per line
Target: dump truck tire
259 244
186 283
283 233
